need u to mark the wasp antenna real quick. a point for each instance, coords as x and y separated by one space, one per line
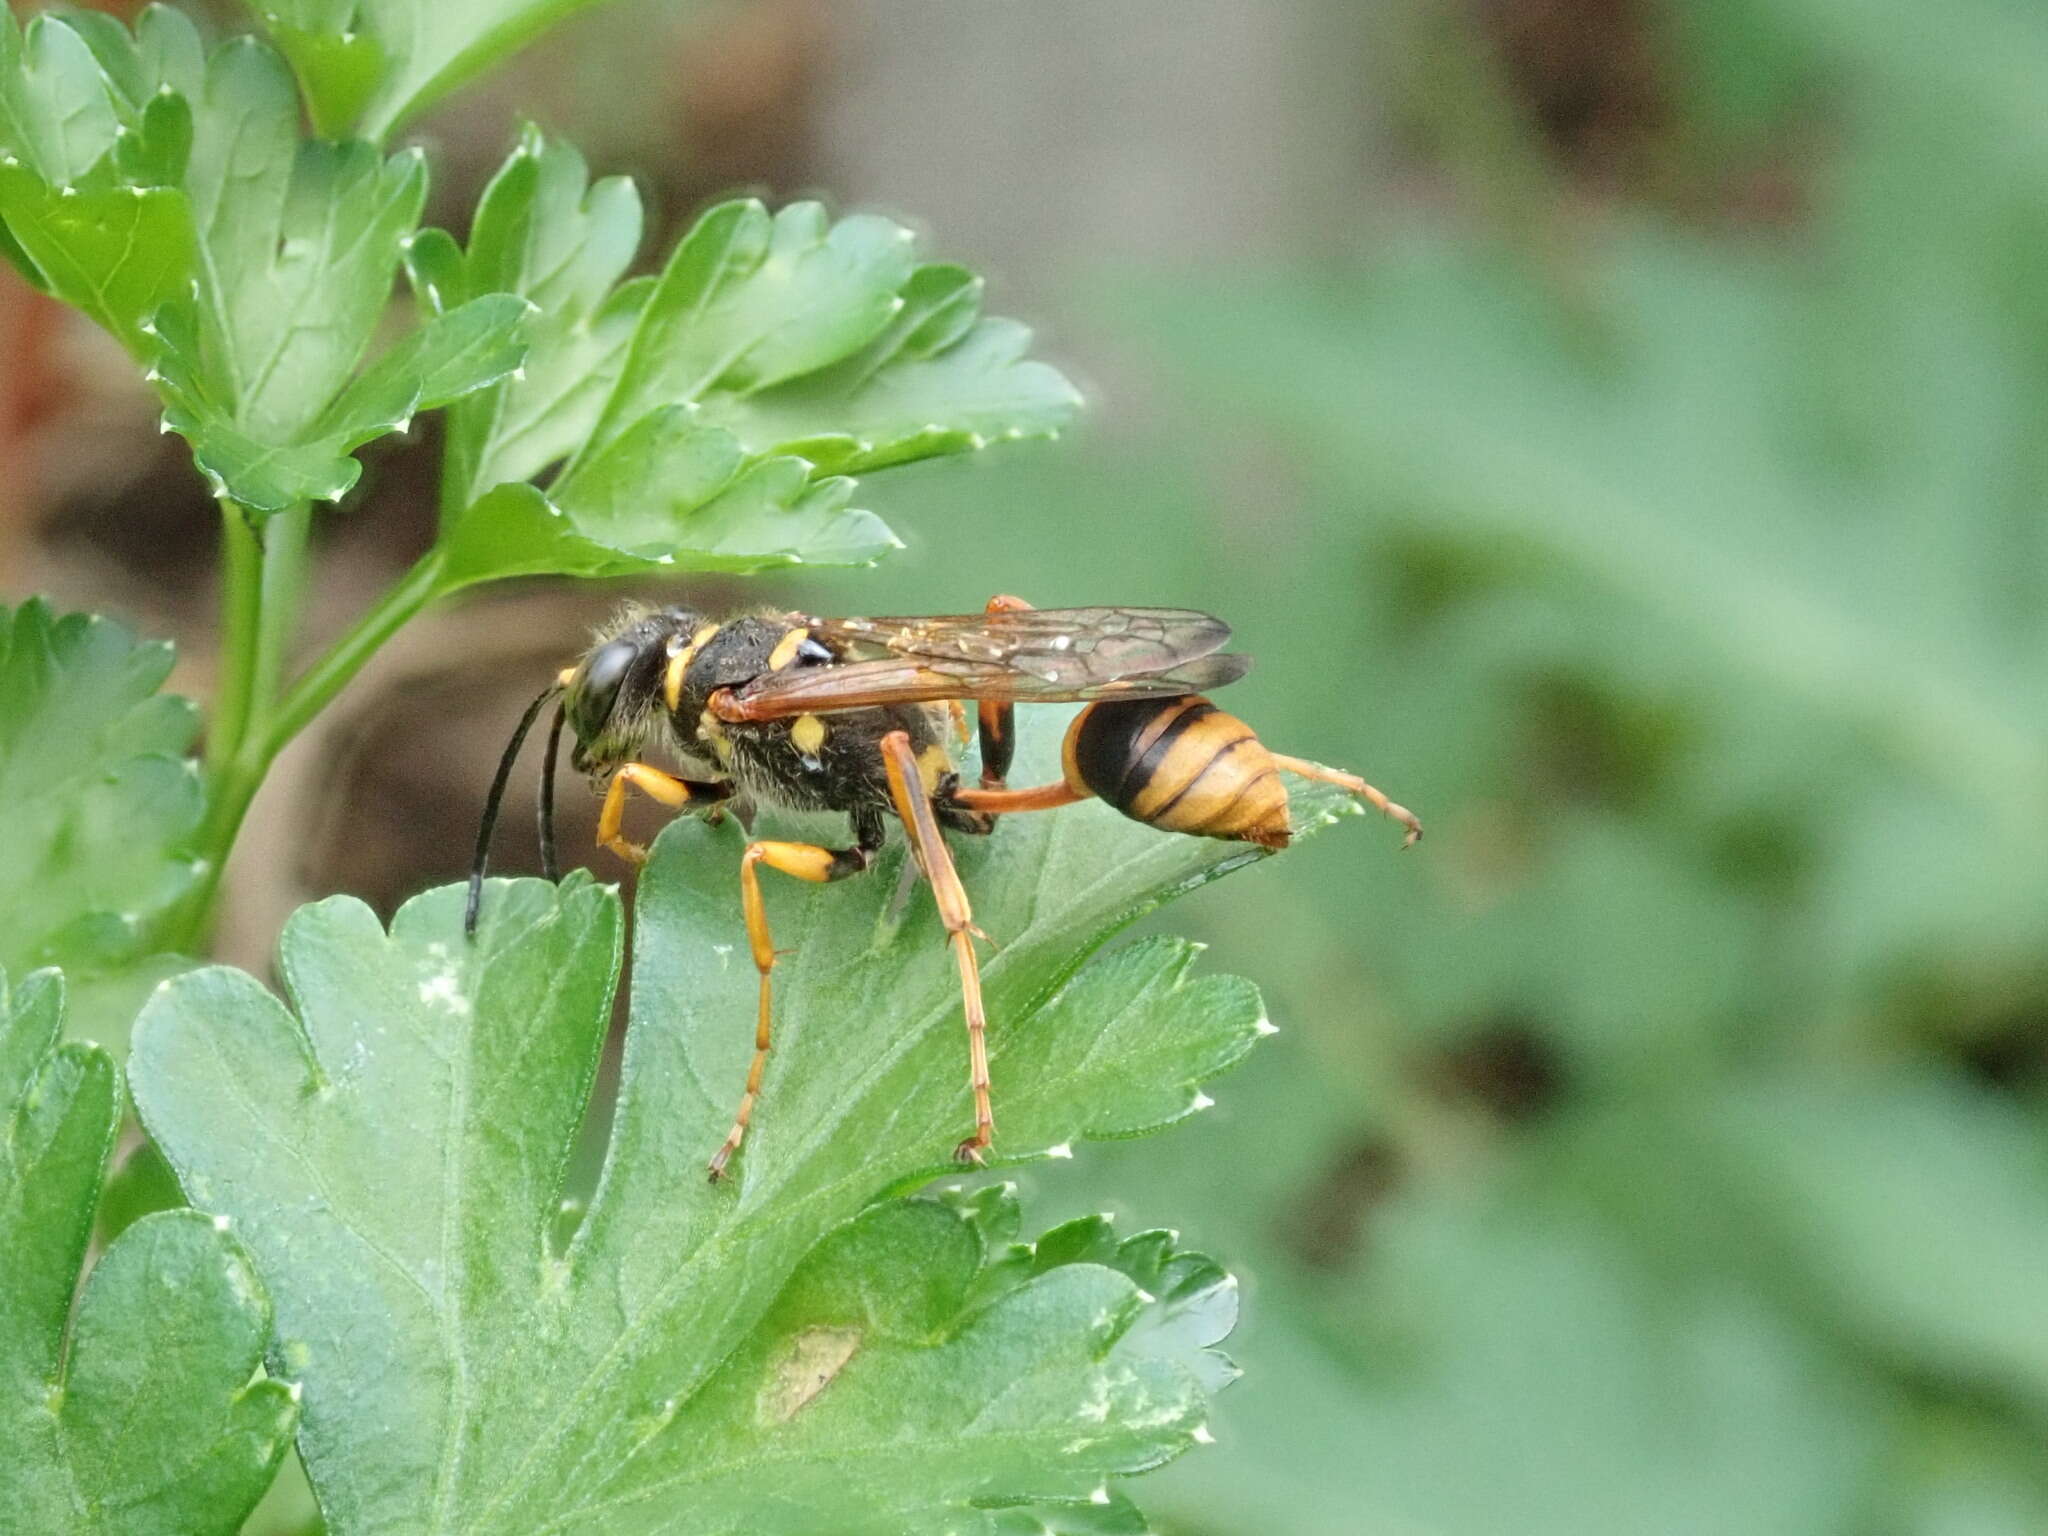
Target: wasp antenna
548 866
491 803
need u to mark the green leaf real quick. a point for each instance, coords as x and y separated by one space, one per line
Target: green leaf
751 299
939 380
1106 1513
452 354
55 113
449 356
98 800
115 252
539 233
1193 1300
141 1185
395 1146
664 449
167 193
104 1003
338 65
445 359
303 257
765 338
883 1382
771 515
378 62
88 173
155 1414
312 274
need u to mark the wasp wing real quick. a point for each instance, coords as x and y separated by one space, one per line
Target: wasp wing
1070 648
910 680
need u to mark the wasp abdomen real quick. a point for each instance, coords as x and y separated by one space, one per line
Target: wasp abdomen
1179 764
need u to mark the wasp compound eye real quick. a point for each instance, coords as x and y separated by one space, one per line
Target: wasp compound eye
595 687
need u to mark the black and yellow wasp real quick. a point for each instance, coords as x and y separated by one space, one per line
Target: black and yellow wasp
856 715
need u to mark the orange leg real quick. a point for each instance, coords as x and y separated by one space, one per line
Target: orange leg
1357 786
1044 797
677 794
997 717
806 861
914 806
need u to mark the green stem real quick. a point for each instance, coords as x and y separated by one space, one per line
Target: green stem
274 722
230 788
262 581
320 682
285 540
241 616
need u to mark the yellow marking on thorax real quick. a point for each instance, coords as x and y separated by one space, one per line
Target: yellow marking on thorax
678 664
672 680
807 733
565 677
933 764
786 648
711 732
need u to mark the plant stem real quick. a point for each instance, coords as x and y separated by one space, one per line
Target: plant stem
241 616
327 676
263 585
262 580
268 723
285 541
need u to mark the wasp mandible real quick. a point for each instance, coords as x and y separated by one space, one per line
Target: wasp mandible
853 715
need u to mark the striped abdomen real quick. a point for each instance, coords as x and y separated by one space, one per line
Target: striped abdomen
1181 765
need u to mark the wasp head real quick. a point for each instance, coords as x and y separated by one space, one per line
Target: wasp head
613 696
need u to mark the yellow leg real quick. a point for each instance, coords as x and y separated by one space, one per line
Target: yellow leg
675 793
1357 786
806 861
914 806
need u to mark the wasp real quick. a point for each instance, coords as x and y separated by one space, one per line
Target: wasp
857 715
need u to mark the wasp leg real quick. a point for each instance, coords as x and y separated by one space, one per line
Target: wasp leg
677 794
806 861
1302 768
1001 802
998 717
915 809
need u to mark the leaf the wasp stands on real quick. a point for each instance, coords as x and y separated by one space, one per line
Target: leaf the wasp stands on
795 1348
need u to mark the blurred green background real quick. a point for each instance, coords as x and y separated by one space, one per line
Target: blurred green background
1620 428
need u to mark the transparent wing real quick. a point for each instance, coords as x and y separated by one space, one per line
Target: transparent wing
910 680
1068 648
